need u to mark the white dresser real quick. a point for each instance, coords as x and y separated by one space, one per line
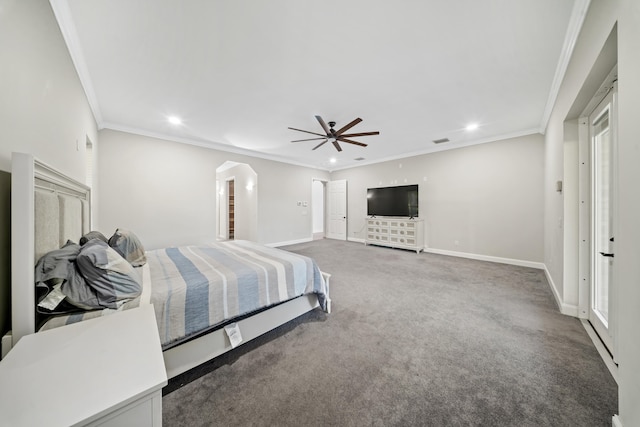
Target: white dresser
107 371
401 233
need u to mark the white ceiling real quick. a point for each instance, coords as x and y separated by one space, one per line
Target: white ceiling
240 72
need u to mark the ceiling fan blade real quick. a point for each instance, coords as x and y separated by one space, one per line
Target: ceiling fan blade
353 135
306 131
324 125
348 126
351 142
321 144
310 139
335 144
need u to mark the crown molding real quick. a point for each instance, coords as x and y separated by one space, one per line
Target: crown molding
212 145
68 29
578 15
444 147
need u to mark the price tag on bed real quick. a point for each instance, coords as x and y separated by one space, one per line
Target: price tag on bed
233 332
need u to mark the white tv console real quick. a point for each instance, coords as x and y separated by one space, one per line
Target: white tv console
403 233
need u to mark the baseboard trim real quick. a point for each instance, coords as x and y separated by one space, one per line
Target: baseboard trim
355 239
602 351
616 421
566 309
289 242
511 261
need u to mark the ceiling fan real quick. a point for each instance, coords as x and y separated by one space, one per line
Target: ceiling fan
333 136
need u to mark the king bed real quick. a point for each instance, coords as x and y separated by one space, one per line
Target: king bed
204 297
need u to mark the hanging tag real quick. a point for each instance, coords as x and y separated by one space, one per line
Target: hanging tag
233 332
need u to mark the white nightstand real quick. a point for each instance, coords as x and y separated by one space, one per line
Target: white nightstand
107 371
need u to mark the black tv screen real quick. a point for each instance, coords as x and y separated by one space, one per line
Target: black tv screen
393 201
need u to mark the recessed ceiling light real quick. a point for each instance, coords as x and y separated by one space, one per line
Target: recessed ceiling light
174 120
472 126
333 160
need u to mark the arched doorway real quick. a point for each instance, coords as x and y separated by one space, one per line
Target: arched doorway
237 201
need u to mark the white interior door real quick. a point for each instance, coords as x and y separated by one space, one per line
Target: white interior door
337 208
603 191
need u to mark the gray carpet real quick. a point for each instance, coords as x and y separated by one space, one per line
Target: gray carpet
413 339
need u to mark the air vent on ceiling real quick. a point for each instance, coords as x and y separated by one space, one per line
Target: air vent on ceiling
440 141
359 159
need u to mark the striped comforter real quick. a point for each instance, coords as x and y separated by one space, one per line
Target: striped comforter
194 288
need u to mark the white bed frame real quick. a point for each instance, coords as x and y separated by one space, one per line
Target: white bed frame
28 175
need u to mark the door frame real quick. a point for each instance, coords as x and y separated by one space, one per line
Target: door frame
324 182
585 248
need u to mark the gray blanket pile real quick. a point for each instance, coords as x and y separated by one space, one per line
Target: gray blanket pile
91 276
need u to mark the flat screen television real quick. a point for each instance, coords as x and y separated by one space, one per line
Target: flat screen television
393 201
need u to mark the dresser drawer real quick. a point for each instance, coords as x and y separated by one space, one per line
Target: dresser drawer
377 230
403 224
378 237
406 241
402 232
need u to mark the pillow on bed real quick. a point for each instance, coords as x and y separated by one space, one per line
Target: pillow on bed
107 275
129 246
92 235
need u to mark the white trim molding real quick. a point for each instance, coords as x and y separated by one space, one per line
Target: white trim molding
289 242
522 263
355 239
68 29
566 309
601 349
578 15
616 421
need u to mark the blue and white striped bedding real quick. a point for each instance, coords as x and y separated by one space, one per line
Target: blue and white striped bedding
194 288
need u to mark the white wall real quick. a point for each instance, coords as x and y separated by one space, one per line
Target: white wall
481 200
595 31
43 108
628 243
598 24
166 191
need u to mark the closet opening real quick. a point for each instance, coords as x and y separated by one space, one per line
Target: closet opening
231 209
